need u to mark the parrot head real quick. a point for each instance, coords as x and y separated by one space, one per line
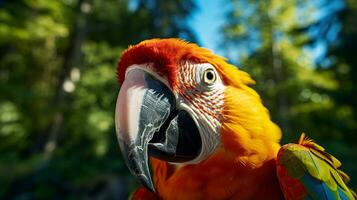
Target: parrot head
181 103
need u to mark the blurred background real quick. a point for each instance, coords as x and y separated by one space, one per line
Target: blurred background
58 86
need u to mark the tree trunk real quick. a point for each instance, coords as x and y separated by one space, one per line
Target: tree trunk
278 77
72 56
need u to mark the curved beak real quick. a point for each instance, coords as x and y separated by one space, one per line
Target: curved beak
148 124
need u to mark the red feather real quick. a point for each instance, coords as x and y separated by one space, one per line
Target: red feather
165 54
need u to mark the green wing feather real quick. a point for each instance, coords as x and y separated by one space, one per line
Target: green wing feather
315 169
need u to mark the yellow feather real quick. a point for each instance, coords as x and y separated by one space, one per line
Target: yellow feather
247 129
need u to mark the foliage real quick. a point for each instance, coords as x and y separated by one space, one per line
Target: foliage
58 91
341 62
273 49
58 86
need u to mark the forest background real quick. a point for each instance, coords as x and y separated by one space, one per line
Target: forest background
58 85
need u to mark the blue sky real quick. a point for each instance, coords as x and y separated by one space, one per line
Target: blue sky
210 16
207 21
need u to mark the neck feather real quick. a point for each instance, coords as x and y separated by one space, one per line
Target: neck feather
247 131
243 168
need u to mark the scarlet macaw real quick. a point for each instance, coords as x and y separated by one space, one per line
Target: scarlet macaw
207 133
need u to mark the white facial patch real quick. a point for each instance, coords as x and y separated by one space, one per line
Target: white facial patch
202 99
204 102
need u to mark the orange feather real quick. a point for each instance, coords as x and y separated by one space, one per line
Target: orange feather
244 167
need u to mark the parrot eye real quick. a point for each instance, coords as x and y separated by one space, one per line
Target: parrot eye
209 76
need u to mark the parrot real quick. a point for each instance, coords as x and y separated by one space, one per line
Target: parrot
190 126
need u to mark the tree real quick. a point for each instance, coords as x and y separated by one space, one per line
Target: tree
341 63
58 90
271 38
284 72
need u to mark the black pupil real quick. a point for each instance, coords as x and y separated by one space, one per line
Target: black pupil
209 75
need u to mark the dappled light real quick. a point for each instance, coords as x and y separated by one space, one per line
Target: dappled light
58 82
